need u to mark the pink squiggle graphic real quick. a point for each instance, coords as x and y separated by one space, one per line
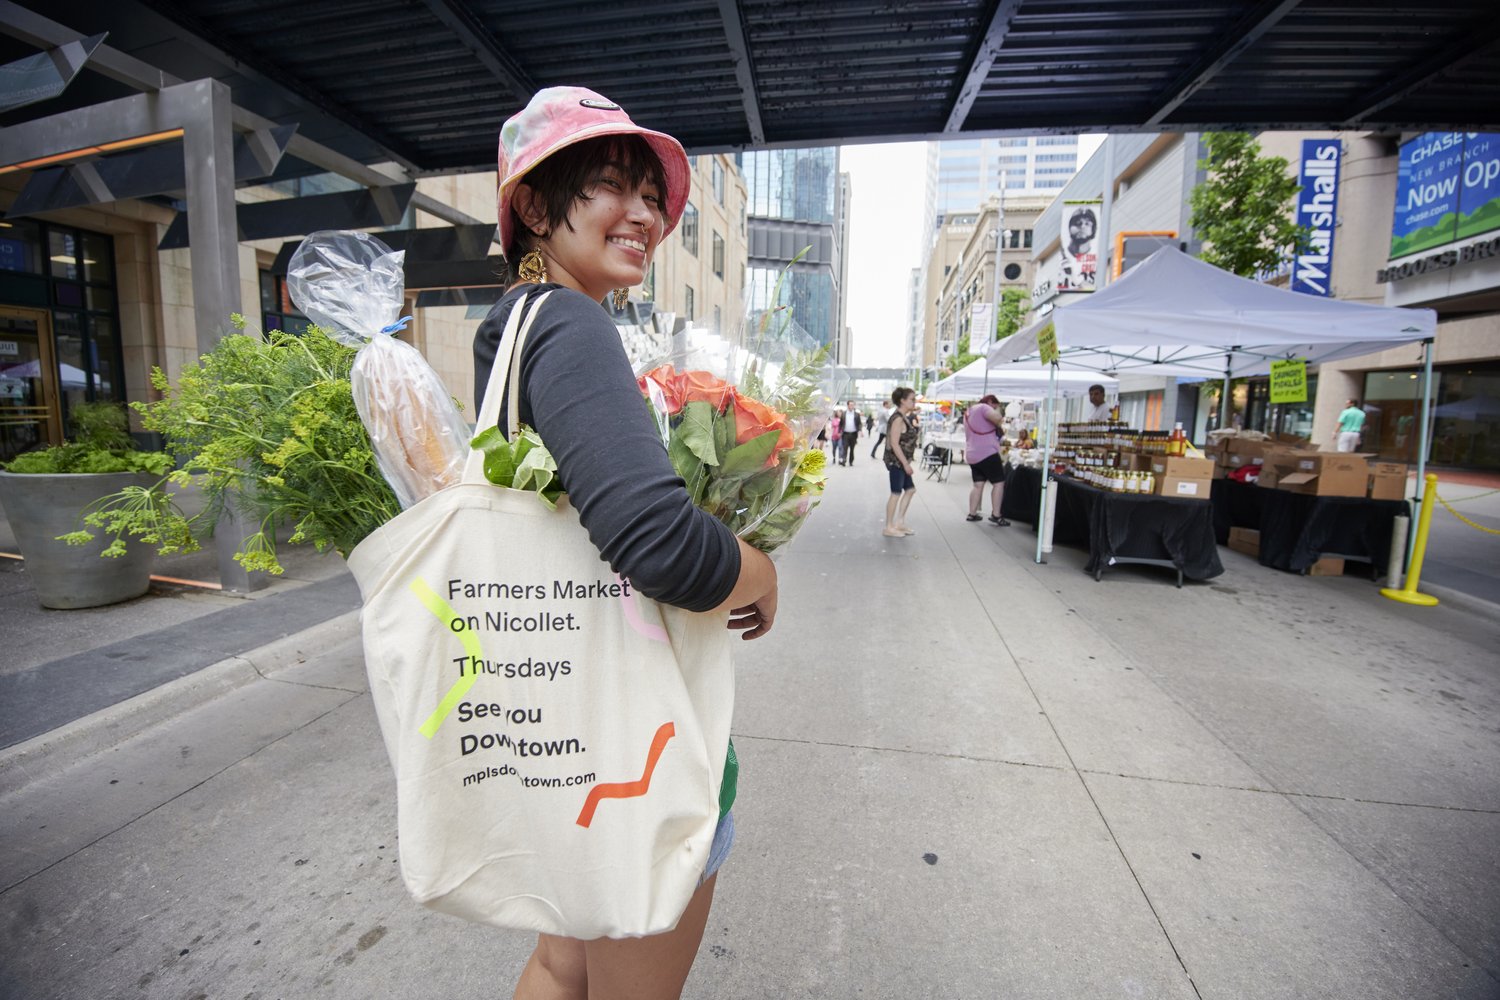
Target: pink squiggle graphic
633 616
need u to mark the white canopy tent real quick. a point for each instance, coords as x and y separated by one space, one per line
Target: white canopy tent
1012 382
1175 315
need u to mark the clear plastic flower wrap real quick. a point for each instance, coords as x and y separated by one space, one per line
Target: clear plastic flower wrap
351 285
743 444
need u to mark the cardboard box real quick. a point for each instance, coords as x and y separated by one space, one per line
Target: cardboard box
1387 481
1138 461
1179 467
1327 474
1278 460
1327 566
1246 540
1245 452
1184 488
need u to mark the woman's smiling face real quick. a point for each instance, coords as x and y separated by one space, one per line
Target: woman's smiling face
612 232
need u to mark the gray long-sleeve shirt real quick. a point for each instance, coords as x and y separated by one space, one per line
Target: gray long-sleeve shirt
580 395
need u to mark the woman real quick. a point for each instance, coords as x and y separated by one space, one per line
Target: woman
585 197
900 448
982 426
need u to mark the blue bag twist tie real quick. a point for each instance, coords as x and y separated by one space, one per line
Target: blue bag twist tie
397 326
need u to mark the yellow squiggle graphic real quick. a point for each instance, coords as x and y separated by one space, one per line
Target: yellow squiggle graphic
446 615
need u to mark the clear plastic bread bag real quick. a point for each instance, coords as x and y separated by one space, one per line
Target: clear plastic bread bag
352 285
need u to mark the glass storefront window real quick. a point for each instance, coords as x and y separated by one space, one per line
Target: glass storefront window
1393 408
104 348
277 311
62 247
20 246
98 258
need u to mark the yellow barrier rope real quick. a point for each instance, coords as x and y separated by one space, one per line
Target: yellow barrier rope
1465 520
1475 496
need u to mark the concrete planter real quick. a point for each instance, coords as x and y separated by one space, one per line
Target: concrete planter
42 506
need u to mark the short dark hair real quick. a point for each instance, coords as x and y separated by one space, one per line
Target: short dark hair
901 393
566 177
1093 387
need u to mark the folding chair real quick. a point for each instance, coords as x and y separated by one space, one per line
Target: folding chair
937 460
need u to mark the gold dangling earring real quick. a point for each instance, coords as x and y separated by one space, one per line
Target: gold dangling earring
620 296
532 267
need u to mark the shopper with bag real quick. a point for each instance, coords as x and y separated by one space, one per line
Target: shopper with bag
585 199
982 429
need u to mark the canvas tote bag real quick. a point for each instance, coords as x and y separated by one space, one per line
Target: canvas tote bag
558 738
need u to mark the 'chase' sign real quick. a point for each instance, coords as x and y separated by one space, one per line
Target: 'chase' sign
1448 189
1317 209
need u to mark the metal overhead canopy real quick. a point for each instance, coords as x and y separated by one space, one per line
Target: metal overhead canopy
426 85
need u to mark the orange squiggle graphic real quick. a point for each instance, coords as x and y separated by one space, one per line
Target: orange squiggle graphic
628 789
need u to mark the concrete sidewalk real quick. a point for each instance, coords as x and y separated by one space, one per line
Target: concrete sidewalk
964 775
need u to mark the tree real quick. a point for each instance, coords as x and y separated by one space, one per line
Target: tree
1243 209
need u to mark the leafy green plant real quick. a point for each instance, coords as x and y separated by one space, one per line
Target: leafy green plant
524 464
100 442
267 424
1243 208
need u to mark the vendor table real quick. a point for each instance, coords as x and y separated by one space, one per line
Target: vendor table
1121 528
1023 494
1297 530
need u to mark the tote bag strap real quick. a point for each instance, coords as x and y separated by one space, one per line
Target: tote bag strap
506 370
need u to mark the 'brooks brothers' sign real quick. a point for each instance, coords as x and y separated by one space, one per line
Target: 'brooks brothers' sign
1317 209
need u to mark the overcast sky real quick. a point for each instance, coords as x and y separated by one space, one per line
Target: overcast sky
885 242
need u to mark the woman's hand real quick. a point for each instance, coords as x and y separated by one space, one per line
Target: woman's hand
757 618
752 602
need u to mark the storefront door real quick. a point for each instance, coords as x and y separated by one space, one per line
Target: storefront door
30 416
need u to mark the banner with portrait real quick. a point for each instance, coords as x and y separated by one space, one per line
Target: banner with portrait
1080 246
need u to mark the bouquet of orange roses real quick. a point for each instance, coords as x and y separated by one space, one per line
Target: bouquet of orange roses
743 451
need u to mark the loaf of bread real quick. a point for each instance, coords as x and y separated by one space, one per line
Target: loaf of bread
419 436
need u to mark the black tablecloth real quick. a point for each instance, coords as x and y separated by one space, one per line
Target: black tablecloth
1121 527
1296 530
1023 494
1236 505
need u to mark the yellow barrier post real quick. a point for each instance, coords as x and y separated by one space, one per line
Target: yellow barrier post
1408 594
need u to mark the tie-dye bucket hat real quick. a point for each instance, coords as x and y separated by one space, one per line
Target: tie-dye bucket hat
557 117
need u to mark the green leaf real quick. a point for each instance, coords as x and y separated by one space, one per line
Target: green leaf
751 456
486 439
696 431
723 432
499 464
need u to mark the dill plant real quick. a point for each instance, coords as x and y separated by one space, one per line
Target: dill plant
269 425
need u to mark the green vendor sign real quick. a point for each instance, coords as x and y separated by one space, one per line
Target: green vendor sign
1289 381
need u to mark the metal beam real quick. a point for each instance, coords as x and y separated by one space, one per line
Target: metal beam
44 75
1464 44
145 172
33 29
444 257
979 65
266 220
1231 42
190 31
744 68
478 39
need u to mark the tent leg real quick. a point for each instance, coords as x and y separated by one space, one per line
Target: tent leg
1043 521
1422 444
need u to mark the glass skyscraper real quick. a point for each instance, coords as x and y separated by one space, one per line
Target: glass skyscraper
793 202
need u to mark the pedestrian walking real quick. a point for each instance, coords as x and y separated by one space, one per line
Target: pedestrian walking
585 199
850 432
1351 424
900 448
836 434
885 418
